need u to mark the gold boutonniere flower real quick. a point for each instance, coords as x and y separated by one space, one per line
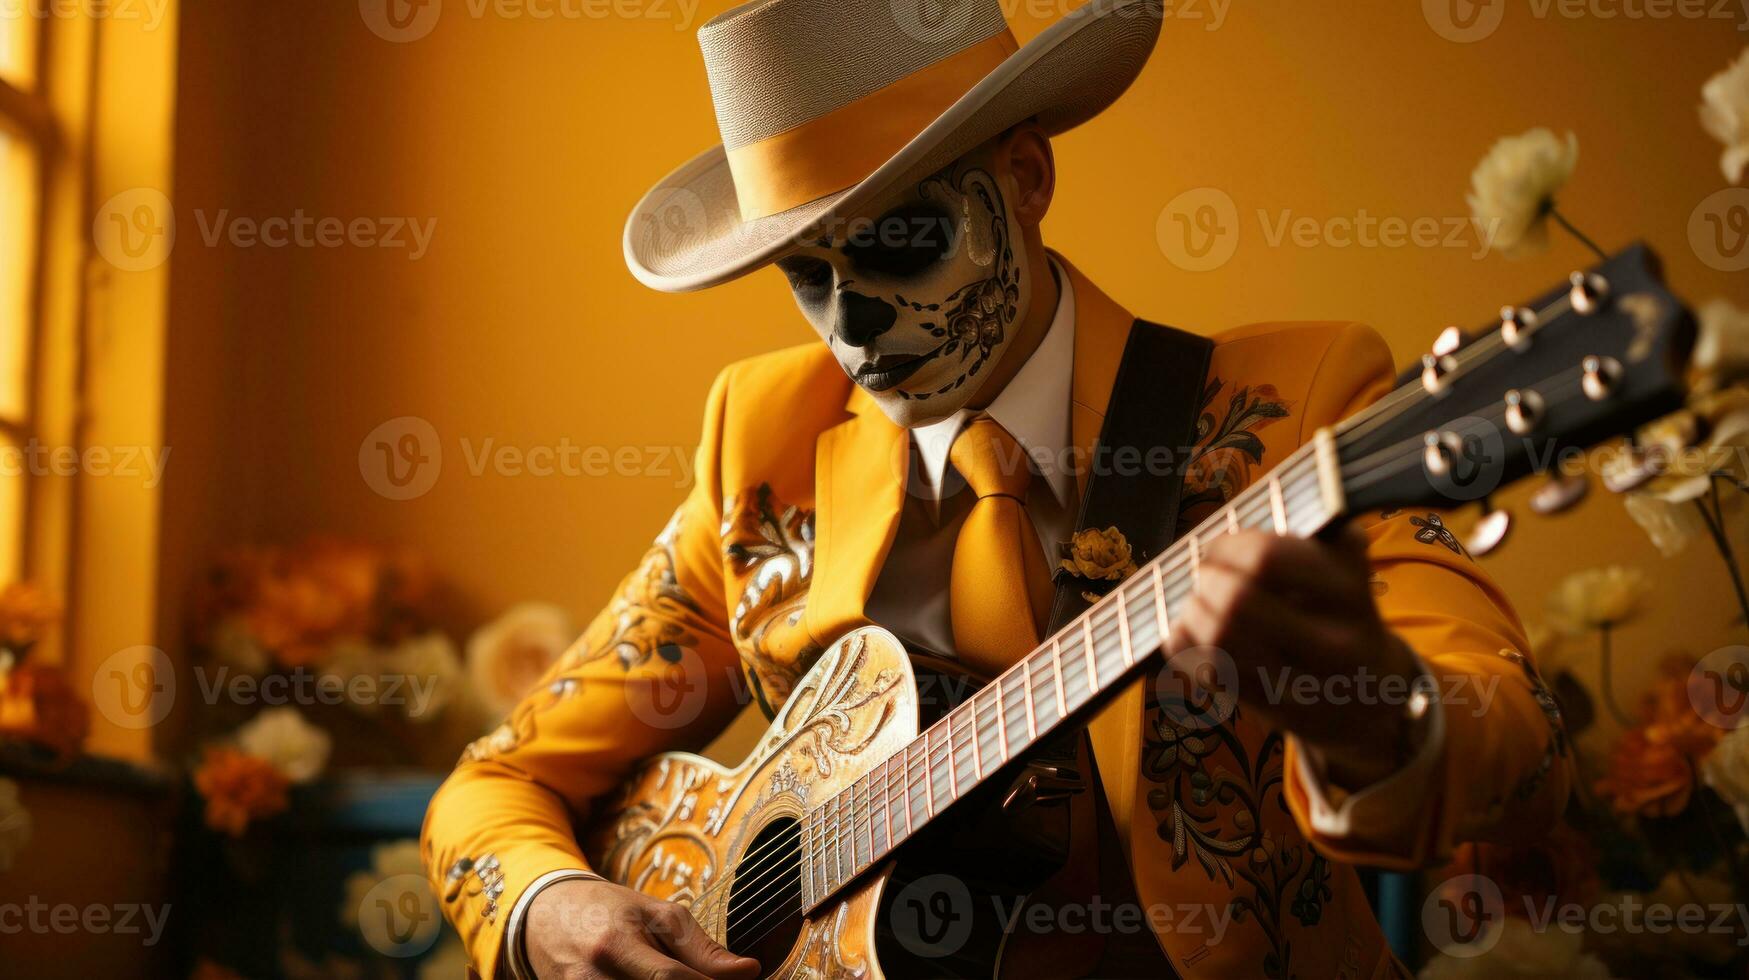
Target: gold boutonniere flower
1097 556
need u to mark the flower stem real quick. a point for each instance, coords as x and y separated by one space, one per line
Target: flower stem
1714 519
1561 220
1603 681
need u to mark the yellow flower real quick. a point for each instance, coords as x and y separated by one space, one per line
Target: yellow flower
1596 598
1724 111
1099 555
1512 190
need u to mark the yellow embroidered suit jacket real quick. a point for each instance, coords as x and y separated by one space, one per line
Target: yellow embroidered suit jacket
774 551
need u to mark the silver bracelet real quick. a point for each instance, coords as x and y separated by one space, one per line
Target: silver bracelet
515 950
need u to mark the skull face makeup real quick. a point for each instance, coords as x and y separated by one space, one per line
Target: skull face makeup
920 303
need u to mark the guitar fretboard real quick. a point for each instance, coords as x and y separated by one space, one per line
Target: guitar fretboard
1056 683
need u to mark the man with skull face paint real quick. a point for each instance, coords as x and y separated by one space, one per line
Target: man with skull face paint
900 189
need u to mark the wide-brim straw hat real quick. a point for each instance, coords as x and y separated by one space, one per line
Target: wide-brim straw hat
826 105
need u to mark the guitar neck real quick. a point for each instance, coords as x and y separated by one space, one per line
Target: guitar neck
1058 684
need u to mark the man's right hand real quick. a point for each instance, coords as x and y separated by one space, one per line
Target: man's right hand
587 929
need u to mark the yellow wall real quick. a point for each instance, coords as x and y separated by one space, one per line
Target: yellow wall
528 139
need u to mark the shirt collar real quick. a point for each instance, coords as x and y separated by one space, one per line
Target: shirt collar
1034 408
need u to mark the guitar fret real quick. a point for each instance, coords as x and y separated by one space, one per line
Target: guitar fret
905 784
977 752
1277 510
928 776
1160 606
1087 644
863 856
1232 520
1195 560
1057 672
1123 627
1001 721
887 800
1026 691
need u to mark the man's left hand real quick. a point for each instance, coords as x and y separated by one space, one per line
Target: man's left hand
1286 609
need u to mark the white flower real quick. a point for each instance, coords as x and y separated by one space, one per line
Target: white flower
15 824
430 672
1513 190
1724 111
1726 770
298 749
1596 598
508 656
1522 951
1670 524
1721 345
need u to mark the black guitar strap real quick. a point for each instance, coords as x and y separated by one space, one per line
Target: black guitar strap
1154 403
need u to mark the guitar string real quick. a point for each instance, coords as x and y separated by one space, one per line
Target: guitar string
1259 506
1256 506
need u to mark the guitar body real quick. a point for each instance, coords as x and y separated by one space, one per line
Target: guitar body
721 841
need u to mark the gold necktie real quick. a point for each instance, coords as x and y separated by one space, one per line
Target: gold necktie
1000 589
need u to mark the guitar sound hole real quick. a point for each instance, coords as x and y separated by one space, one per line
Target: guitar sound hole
765 900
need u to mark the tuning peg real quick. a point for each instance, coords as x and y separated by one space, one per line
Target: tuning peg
1588 292
1440 448
1559 493
1434 369
1490 531
1516 325
1601 375
1448 341
1524 411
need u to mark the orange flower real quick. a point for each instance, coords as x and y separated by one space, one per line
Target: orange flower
1647 777
26 613
238 788
38 705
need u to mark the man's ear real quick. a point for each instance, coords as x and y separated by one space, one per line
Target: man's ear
1027 151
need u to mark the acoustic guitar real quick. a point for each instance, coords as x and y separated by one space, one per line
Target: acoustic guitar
807 855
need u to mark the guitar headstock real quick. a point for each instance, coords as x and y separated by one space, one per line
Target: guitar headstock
1595 358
